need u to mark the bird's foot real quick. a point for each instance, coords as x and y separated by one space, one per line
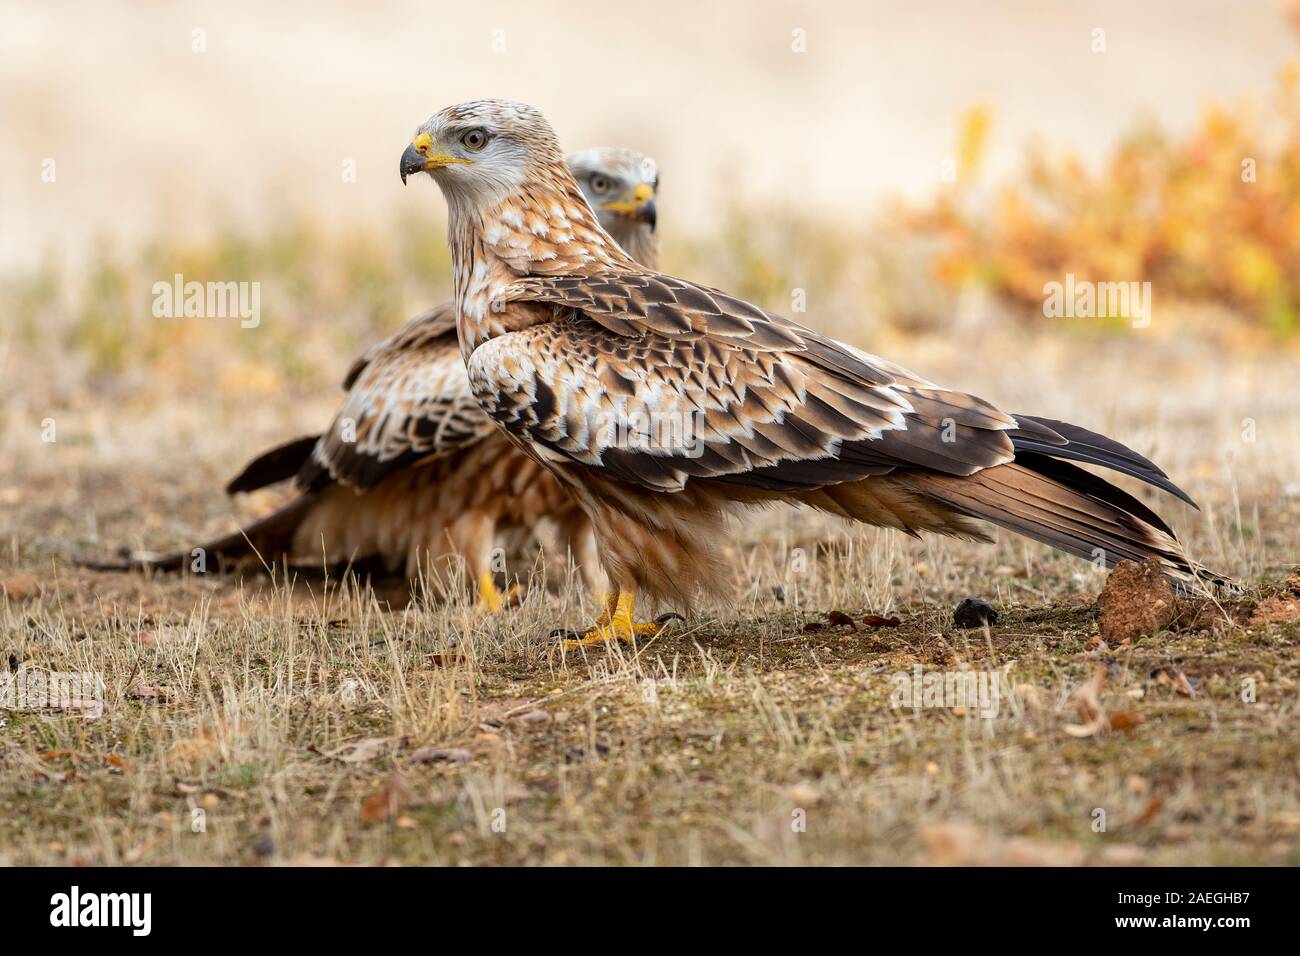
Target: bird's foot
626 631
492 600
616 623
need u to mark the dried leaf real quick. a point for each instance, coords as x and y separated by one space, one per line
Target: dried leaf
1086 701
875 620
1124 720
1090 729
1153 807
1086 698
386 802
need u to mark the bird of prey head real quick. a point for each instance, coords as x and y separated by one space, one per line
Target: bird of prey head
482 152
622 186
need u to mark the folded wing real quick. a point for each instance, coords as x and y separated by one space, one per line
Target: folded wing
657 381
408 399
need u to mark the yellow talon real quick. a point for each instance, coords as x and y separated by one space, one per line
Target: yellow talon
615 623
492 600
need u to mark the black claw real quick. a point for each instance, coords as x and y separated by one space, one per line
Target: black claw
663 620
564 634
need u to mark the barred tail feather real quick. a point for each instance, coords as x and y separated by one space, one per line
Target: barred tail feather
1065 507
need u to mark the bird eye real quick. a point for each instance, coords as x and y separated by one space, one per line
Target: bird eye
599 183
474 140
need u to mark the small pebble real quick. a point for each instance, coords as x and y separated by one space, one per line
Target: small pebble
264 847
974 612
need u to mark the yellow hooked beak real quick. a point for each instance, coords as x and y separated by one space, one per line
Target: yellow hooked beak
420 156
639 205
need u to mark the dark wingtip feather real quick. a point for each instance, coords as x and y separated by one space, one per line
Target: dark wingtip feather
1090 447
279 464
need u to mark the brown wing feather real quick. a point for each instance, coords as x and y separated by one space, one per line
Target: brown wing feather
794 411
408 399
429 326
800 423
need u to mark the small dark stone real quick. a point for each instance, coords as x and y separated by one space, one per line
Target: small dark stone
974 612
264 846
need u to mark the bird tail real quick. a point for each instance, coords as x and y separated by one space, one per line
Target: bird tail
1038 495
266 540
1063 506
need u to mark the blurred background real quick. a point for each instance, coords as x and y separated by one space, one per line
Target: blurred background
158 129
919 172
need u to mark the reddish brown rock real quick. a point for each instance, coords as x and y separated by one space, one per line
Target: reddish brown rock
1137 601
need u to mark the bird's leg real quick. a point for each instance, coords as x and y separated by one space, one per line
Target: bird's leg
578 534
473 536
492 600
609 604
616 623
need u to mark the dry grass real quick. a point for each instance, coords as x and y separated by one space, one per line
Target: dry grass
326 721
